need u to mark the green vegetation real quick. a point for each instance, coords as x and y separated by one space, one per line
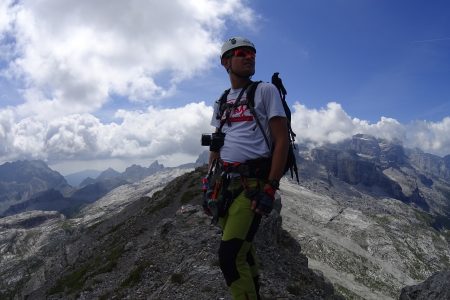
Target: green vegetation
158 204
67 227
135 275
188 196
75 281
346 293
72 282
423 217
381 219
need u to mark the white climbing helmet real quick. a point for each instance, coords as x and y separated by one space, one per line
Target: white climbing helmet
236 42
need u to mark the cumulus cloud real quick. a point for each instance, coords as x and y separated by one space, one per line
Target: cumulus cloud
160 133
332 124
72 55
5 16
140 134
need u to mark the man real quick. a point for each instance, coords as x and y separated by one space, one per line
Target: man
252 160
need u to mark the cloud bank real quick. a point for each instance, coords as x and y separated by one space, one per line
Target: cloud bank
332 124
139 134
71 56
157 133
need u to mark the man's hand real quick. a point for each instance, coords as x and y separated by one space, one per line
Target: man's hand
262 203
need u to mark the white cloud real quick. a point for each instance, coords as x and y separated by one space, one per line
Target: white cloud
5 16
332 124
72 55
168 134
150 134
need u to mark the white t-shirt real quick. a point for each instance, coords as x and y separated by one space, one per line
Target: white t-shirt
244 139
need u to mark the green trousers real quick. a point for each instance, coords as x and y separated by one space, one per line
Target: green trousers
237 254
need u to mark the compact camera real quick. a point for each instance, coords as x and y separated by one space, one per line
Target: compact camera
214 141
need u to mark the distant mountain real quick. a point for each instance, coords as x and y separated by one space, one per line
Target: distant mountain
131 174
203 158
52 200
431 164
92 192
86 182
21 180
386 168
70 200
75 179
108 174
135 173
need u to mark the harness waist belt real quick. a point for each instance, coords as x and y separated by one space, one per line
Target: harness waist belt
254 168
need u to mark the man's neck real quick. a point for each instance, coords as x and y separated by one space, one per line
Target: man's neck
239 82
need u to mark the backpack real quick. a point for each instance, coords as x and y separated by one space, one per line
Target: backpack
291 163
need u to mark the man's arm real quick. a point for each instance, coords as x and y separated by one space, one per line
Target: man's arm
279 132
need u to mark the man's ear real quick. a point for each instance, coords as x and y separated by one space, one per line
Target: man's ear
226 62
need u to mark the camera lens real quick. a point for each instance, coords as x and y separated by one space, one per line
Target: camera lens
206 139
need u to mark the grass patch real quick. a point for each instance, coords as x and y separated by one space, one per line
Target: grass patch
423 217
162 203
67 227
75 281
188 196
346 293
72 282
135 276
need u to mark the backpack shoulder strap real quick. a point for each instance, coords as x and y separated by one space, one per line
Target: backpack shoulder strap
251 93
251 106
221 104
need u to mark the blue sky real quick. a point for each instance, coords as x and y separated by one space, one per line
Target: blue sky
95 83
376 58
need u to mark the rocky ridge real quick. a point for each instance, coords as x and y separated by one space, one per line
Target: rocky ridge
370 216
435 287
159 246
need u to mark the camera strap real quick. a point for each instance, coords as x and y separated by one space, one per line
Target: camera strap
230 108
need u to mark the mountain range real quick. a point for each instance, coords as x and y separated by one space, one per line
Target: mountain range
368 218
21 180
34 186
74 179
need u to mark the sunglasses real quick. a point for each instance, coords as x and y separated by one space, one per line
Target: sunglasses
243 52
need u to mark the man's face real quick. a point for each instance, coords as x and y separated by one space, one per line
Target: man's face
241 61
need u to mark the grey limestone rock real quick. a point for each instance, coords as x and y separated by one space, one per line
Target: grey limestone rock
436 287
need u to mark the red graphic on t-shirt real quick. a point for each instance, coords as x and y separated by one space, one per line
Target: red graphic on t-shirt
240 113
